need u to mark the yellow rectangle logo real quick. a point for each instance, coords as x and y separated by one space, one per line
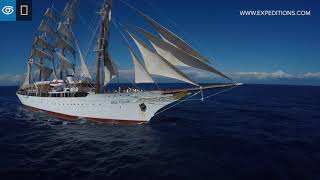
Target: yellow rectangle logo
24 10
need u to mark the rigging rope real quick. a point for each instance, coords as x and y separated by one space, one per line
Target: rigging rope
215 94
179 102
91 37
163 14
189 98
126 40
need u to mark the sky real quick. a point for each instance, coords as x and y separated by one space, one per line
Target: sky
250 49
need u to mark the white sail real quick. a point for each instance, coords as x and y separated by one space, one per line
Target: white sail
45 71
26 81
177 56
157 65
84 72
51 14
42 43
37 53
69 12
62 43
169 36
65 31
140 72
110 69
46 28
65 63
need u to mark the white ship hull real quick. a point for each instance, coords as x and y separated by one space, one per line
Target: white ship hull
116 107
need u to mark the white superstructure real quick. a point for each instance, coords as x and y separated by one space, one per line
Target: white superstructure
134 107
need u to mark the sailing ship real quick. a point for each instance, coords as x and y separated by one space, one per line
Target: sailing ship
59 92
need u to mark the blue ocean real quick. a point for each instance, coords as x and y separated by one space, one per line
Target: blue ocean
251 132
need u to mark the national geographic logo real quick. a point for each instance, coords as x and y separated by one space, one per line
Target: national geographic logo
15 10
24 10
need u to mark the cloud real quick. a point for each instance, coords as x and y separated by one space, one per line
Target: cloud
197 74
263 75
254 75
311 75
203 76
10 79
126 72
273 77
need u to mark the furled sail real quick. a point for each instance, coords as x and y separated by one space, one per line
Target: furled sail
110 69
70 10
42 43
177 56
62 43
46 28
51 14
107 17
37 53
65 63
157 65
65 30
140 72
45 71
169 36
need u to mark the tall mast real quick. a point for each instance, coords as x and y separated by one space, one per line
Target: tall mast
103 44
100 41
109 67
